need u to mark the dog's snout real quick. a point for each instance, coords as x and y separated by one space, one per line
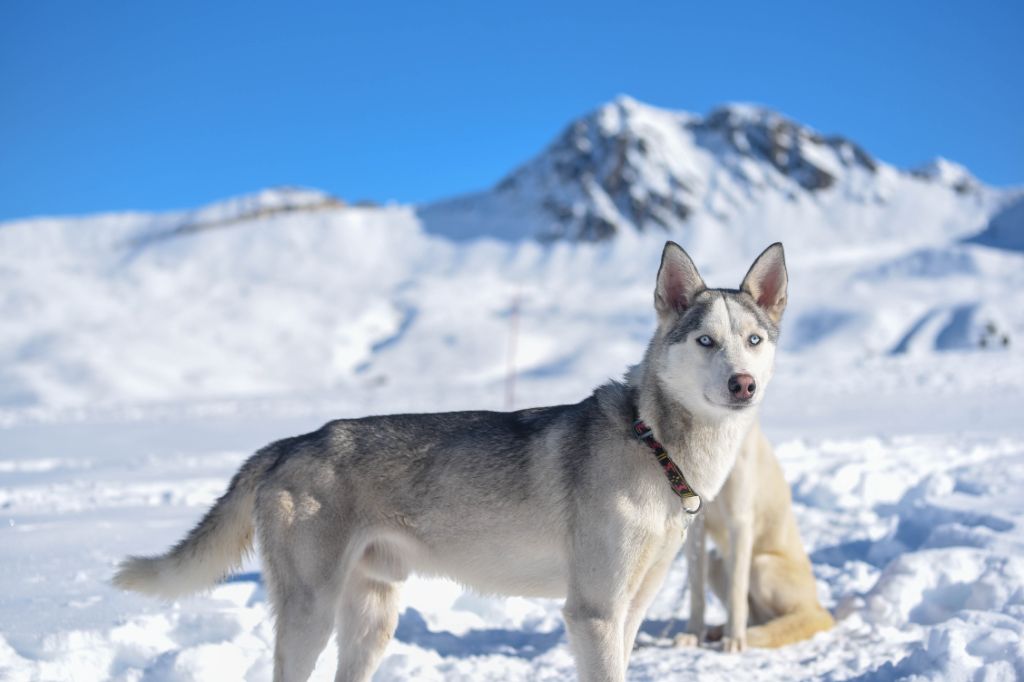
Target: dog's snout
742 386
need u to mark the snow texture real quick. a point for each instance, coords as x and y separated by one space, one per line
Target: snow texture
145 356
1006 229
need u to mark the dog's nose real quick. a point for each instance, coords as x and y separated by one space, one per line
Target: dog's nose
742 386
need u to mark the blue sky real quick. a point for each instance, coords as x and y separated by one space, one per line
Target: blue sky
159 105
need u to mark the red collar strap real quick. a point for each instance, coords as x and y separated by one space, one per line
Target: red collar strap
675 477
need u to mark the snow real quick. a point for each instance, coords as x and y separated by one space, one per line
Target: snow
136 374
963 327
916 539
1006 229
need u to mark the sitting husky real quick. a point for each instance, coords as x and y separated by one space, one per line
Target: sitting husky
581 501
765 577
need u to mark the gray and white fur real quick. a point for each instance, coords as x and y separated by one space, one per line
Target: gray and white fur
557 501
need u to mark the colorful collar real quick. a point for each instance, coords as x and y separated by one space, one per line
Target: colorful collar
675 477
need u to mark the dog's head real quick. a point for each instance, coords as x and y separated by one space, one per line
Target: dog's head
716 347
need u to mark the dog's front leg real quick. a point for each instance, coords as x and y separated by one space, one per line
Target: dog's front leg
596 633
741 544
696 574
603 557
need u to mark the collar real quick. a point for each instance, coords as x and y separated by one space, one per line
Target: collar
674 475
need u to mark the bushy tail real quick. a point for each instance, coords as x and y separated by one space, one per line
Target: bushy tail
790 628
209 551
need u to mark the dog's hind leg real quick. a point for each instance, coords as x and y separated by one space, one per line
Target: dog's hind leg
368 613
366 622
784 600
305 618
300 558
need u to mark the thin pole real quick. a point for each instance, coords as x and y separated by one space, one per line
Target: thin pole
510 364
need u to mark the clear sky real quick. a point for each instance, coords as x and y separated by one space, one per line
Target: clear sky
157 105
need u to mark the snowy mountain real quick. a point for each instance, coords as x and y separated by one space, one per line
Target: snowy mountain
291 289
743 172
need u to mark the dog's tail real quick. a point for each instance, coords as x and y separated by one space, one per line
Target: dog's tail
210 550
790 628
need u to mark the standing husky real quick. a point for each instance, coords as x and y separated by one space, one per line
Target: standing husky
765 576
554 501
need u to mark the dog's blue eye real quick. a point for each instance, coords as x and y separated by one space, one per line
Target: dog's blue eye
754 339
705 341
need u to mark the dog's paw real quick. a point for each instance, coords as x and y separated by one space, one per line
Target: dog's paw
687 640
734 645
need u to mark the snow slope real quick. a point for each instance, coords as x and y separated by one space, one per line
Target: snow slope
319 304
1006 229
143 357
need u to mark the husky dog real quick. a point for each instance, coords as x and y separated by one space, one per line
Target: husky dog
558 501
765 577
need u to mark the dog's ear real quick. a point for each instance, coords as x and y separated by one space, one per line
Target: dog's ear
766 281
678 282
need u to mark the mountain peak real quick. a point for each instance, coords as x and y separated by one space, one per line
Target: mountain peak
793 149
742 113
624 102
631 166
948 173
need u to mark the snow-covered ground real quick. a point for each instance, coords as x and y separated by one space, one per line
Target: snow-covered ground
907 492
141 363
